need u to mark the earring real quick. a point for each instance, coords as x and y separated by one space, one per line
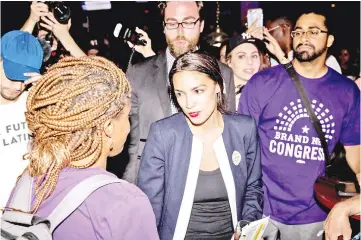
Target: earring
219 98
111 145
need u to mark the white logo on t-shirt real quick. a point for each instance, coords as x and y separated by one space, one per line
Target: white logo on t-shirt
295 142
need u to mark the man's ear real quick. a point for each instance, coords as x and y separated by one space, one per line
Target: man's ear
284 28
108 128
330 40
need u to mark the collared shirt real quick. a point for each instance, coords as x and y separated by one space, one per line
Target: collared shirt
170 61
238 91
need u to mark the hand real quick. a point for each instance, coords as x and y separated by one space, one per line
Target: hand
256 32
146 50
34 77
60 30
37 10
337 223
273 46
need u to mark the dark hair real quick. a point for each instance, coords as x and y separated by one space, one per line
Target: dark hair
46 49
328 20
163 4
202 63
284 20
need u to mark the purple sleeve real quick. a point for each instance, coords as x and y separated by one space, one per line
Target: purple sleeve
140 222
135 220
248 103
350 132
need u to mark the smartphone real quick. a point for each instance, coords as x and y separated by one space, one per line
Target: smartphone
255 14
346 189
128 34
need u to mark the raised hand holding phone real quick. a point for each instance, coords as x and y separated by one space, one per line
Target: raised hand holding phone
255 22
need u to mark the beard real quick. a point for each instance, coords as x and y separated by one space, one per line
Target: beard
177 50
304 56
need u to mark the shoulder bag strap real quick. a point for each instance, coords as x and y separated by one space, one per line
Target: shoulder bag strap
292 73
77 196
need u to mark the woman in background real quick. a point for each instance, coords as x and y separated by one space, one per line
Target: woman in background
246 56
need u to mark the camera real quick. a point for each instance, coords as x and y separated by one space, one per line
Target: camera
128 34
60 10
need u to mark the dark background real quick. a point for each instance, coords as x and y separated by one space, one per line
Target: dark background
345 17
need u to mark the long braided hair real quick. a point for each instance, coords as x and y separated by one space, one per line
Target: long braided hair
65 113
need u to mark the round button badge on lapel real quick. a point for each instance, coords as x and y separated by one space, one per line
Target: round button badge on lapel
236 157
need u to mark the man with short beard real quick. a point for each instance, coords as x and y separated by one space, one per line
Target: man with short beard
20 62
291 153
183 23
284 39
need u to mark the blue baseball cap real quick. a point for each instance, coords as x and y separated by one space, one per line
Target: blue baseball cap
21 52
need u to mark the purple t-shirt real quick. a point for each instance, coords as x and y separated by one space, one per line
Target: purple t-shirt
114 211
291 153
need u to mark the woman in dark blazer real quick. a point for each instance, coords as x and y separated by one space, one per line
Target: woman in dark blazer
201 168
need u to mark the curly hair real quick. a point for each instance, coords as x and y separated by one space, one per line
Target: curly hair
65 113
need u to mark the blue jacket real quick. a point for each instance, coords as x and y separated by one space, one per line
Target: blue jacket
170 165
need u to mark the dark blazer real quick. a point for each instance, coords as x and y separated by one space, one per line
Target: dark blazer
169 161
151 102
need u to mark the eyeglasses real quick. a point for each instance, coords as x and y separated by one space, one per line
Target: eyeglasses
312 33
175 25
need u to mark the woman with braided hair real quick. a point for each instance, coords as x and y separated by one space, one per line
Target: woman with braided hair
79 115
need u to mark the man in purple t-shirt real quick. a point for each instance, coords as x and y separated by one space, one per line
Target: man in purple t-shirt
291 153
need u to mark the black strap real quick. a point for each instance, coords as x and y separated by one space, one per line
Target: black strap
316 124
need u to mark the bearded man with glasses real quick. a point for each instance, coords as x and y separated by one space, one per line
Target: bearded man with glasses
292 157
183 23
284 39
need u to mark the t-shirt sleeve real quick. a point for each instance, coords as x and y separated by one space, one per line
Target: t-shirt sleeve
122 213
136 221
249 103
350 132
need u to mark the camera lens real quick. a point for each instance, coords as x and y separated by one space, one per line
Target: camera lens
61 12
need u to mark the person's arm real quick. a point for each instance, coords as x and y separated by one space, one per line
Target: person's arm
37 10
253 200
146 50
337 222
350 132
114 215
151 171
131 171
353 157
274 48
61 32
138 223
230 100
272 44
